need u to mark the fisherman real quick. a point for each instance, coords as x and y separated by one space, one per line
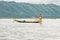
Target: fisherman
40 19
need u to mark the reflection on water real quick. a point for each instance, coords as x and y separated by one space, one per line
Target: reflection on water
48 30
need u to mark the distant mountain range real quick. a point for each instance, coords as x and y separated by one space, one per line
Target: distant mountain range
26 10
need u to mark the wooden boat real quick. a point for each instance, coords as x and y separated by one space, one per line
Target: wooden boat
39 21
26 21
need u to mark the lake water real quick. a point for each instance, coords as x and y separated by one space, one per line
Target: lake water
12 30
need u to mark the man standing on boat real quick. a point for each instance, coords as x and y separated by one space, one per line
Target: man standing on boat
40 19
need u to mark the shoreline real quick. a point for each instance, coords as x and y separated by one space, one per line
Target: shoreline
29 18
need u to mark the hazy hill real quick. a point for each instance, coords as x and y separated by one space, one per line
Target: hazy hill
26 10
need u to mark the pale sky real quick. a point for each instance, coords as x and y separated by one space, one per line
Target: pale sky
37 1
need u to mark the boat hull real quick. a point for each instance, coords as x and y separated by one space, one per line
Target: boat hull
26 21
